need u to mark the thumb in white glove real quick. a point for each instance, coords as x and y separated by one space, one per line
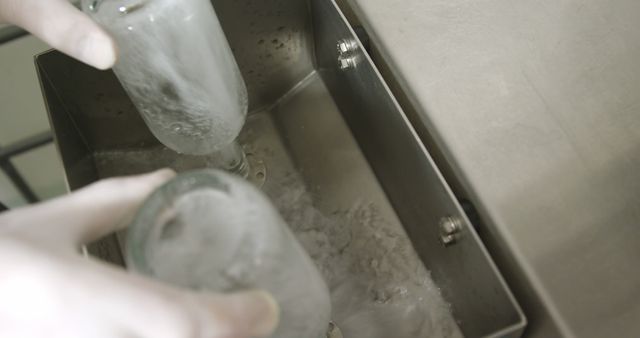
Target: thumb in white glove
63 27
49 290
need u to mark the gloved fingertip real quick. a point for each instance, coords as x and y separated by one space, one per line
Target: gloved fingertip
96 48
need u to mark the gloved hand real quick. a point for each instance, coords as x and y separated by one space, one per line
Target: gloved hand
48 289
63 27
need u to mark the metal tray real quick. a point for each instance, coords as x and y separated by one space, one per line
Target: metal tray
341 162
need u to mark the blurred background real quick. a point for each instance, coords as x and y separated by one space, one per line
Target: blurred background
31 168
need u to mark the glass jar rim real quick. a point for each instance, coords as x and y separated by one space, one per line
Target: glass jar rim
163 197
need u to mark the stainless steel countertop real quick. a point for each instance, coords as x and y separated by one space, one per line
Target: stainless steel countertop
536 108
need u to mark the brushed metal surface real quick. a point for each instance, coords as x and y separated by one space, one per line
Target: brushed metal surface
415 187
535 108
272 42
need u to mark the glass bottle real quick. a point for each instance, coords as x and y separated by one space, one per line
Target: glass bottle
209 230
177 67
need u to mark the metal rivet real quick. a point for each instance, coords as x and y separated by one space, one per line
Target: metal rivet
449 229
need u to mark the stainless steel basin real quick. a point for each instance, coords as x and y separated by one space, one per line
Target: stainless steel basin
339 160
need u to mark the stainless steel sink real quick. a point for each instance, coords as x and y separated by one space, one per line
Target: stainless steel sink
339 160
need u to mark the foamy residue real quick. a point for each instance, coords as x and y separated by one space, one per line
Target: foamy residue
379 287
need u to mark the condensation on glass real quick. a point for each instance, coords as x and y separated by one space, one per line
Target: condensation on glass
209 230
177 67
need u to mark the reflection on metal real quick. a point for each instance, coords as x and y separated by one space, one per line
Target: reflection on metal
131 7
95 4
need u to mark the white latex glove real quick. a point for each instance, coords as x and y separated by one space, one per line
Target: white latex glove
63 27
48 289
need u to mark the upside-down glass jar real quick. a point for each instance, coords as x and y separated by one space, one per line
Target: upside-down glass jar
177 67
210 230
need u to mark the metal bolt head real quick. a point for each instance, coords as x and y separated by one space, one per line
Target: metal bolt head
343 48
449 225
346 46
347 53
449 228
346 62
447 240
